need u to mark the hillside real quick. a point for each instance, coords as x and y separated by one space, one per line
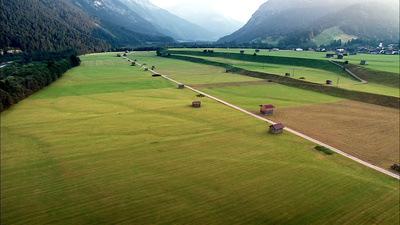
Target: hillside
296 22
204 15
166 22
58 25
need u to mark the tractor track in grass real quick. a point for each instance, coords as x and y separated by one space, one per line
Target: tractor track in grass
286 128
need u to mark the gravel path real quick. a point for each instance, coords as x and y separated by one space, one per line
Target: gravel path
351 73
288 129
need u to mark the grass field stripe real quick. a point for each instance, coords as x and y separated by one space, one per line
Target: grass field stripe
291 131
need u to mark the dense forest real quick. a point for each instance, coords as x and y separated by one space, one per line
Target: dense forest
29 73
57 25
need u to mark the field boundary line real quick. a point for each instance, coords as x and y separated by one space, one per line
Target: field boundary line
286 128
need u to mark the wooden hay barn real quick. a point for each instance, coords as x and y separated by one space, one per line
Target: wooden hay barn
276 128
340 56
181 86
362 62
196 104
267 109
287 74
328 82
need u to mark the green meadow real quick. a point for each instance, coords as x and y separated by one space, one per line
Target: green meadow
309 74
381 71
110 144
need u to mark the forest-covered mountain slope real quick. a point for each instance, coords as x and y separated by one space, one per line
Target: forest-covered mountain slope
299 21
55 25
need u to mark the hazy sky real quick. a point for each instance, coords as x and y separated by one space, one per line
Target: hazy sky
239 10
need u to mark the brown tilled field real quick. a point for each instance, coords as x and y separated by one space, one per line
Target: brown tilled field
366 131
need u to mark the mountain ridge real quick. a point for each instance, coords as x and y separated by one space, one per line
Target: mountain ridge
282 19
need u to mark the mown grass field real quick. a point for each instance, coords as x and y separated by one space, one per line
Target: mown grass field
382 70
114 145
388 63
309 74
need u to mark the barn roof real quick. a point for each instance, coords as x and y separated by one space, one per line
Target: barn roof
268 106
278 126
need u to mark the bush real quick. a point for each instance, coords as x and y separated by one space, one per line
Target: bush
395 167
324 149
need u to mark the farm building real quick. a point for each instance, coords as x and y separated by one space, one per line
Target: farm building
241 52
276 128
329 55
362 62
133 63
257 50
340 56
228 71
181 86
196 104
287 74
267 109
328 82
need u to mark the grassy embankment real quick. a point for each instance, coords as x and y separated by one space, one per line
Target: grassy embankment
108 143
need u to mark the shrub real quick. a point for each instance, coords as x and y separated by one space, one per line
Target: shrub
395 167
324 149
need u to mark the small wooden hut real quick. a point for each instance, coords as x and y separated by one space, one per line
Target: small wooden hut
329 55
181 86
267 109
362 62
241 52
196 104
328 82
276 128
340 56
133 63
152 67
287 74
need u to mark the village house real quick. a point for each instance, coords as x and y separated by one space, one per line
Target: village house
276 128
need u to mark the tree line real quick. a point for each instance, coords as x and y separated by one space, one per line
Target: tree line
29 73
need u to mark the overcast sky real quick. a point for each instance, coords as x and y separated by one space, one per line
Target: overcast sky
239 10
